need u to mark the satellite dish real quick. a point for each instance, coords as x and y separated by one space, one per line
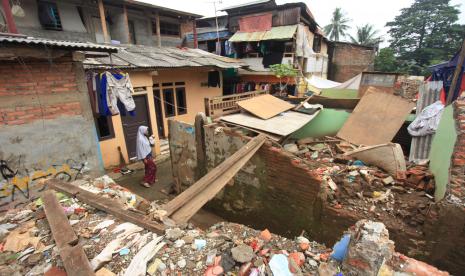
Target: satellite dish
17 11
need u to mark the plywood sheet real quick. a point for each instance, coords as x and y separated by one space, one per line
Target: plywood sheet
282 125
376 119
265 106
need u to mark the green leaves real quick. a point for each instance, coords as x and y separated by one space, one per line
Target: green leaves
366 35
338 26
425 33
283 70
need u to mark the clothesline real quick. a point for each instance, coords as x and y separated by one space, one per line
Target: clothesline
169 103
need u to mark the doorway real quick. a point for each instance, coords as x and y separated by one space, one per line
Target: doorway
158 111
131 124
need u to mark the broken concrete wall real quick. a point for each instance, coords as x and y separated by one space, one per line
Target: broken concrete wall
46 126
278 191
183 153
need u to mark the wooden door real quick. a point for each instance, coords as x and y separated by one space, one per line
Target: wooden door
131 124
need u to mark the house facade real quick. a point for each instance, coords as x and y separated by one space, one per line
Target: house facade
169 81
262 33
117 21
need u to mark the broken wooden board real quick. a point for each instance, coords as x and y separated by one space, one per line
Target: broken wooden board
388 157
73 256
185 205
265 106
376 119
108 205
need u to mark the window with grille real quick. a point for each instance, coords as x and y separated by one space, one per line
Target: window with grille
49 16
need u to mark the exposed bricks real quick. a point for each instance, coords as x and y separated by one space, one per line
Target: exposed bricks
40 78
457 170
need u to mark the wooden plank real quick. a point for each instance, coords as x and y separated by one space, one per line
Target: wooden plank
62 231
376 119
205 181
73 256
221 105
455 79
192 206
265 106
108 205
75 261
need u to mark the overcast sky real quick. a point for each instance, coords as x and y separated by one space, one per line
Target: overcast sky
376 12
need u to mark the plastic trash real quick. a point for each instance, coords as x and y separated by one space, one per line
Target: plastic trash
358 163
279 265
340 248
200 244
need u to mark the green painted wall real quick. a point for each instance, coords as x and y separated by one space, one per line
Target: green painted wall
326 123
340 93
442 148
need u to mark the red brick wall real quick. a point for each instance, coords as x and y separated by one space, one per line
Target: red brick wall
30 86
349 60
457 180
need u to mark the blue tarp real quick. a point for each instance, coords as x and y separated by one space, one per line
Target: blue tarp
208 36
445 72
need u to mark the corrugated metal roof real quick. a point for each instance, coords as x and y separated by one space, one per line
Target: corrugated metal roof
137 56
5 39
276 33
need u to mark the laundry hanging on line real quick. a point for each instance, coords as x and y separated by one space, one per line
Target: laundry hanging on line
114 94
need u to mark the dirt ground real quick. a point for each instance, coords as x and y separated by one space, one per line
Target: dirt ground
202 219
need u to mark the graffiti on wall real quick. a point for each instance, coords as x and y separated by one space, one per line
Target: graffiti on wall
19 185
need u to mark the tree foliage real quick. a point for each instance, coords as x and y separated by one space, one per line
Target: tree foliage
424 33
366 35
386 61
338 27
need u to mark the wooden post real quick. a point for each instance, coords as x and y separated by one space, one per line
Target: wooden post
103 21
126 24
10 21
157 23
457 72
200 120
194 31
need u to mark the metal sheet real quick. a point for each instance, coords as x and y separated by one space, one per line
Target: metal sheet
284 124
56 43
137 56
421 145
276 33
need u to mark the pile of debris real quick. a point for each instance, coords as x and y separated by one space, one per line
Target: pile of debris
356 186
31 246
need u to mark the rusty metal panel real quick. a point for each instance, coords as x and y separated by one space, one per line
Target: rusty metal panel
421 145
286 17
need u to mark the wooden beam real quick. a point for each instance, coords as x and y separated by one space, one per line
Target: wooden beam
108 205
457 72
157 25
200 121
183 214
73 256
217 177
194 31
126 24
103 21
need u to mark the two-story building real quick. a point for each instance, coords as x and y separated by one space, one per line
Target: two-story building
263 33
169 81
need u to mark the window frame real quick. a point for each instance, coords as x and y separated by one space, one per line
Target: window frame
168 105
57 15
181 110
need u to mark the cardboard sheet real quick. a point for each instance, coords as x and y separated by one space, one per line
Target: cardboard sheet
376 118
265 106
282 125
